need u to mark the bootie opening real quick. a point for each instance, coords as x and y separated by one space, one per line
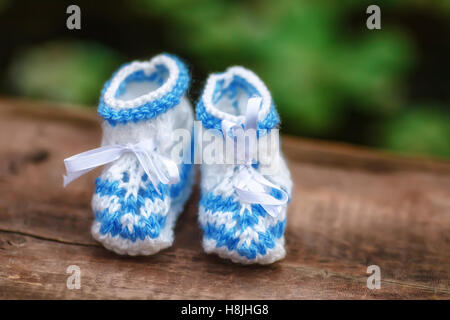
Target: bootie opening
142 82
226 95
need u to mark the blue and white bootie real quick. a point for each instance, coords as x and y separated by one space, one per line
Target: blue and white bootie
143 103
243 204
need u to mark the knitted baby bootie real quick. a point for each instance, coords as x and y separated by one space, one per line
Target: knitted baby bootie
243 204
136 201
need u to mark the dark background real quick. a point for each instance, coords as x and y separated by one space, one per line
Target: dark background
330 76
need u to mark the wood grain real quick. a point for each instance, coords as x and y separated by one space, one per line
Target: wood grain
352 207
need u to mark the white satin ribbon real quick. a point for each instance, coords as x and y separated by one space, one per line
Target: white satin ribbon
250 185
157 167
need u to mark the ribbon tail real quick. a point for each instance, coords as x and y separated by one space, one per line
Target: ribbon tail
172 174
269 203
252 187
251 117
73 176
273 211
147 163
159 169
82 163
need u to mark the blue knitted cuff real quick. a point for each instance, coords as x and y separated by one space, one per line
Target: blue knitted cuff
148 109
209 121
229 89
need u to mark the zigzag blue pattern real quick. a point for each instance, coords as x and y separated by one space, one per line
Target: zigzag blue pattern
176 189
151 226
148 110
110 223
217 203
227 237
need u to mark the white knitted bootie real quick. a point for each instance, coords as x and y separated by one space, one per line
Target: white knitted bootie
141 105
243 205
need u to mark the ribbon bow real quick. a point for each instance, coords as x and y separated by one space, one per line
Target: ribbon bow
249 184
157 167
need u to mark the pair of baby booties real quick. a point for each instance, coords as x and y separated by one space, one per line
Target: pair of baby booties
146 101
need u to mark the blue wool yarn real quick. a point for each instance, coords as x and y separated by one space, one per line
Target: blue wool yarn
139 103
232 228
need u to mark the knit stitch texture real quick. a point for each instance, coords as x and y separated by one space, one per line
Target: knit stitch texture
143 100
242 232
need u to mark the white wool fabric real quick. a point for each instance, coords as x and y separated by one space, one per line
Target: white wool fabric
233 229
143 100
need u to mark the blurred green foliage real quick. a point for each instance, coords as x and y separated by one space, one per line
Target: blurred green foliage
63 71
321 70
422 131
297 47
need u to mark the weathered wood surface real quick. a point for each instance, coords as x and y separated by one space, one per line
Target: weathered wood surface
351 208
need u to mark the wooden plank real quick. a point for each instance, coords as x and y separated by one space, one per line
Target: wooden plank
352 207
